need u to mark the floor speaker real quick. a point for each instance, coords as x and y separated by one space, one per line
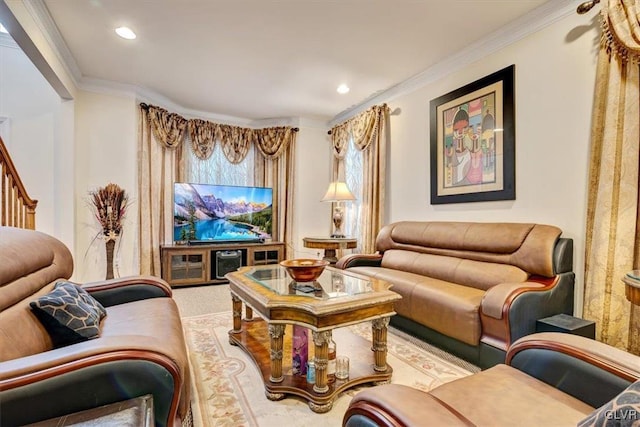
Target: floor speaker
227 261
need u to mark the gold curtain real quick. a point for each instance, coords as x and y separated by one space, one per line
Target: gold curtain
203 137
340 135
275 167
168 128
612 246
370 133
160 165
235 141
159 135
272 142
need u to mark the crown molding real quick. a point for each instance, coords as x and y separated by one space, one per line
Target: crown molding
300 122
522 27
29 48
306 122
40 14
274 122
142 94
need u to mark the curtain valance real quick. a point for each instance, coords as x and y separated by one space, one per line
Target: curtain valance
235 142
271 142
169 129
621 29
203 137
363 128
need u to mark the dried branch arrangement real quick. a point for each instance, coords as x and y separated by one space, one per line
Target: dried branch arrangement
110 205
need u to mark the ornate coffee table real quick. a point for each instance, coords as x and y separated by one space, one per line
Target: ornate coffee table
345 299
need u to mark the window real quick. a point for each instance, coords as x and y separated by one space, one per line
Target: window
217 169
353 177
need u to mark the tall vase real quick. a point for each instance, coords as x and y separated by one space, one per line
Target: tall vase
110 246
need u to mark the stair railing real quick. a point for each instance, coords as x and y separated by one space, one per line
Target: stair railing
17 209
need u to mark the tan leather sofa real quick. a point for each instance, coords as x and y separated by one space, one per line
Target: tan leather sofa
140 349
472 288
550 379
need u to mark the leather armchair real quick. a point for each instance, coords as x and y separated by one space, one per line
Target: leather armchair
548 379
140 350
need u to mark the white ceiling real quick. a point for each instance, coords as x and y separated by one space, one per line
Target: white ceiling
265 59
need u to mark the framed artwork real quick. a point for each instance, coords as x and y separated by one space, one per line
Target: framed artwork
473 141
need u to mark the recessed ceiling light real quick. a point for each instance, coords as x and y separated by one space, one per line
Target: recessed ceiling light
126 33
342 89
3 29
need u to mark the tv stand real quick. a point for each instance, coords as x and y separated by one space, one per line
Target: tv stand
222 242
204 263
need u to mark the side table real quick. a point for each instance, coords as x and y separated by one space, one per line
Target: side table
567 324
632 286
330 245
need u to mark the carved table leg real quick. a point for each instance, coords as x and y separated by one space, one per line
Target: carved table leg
276 335
248 312
274 396
330 255
321 341
237 313
320 408
379 332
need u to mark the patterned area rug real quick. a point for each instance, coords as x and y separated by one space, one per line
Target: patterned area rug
228 389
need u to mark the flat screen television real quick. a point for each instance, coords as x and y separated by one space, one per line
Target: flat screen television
221 213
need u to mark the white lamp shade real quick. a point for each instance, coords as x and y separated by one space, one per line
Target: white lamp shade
338 191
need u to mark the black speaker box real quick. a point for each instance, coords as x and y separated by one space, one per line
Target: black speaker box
226 262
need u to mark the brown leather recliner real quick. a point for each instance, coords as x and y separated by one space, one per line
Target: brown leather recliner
549 379
140 349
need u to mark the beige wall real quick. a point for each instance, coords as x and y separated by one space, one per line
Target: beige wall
106 151
312 217
555 73
36 130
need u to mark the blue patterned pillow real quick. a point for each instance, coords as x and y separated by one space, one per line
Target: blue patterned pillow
69 314
622 411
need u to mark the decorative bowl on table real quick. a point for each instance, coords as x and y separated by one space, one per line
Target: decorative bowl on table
303 269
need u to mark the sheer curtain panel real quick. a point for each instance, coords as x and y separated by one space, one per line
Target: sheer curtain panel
369 133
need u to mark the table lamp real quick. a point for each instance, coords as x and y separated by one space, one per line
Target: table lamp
337 193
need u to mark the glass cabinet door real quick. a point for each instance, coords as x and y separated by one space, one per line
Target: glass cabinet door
187 267
265 256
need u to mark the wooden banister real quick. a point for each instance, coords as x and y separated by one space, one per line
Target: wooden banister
17 209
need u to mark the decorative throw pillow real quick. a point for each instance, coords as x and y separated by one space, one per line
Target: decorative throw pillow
622 410
69 314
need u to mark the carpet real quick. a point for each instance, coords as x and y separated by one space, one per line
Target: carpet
228 389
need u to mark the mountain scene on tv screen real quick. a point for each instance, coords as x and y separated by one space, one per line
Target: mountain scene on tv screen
200 214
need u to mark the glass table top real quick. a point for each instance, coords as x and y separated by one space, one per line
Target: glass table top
330 284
